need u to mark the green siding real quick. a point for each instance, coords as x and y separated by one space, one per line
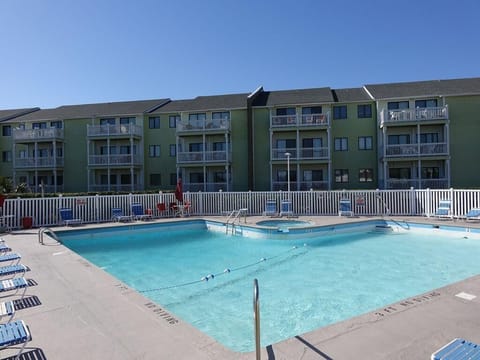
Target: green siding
239 139
261 154
75 175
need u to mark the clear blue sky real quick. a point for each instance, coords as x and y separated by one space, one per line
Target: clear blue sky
58 52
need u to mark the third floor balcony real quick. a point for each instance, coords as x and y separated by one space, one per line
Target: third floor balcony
39 162
194 157
35 135
415 150
400 116
305 120
114 160
118 130
207 125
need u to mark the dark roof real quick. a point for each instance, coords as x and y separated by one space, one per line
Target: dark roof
124 108
13 113
294 97
351 95
425 88
206 103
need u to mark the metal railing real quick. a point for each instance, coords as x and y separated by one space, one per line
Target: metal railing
256 318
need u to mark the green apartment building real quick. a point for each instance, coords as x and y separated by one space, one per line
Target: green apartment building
389 136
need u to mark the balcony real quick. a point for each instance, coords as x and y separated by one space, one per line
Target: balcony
417 183
203 125
209 186
300 186
413 115
103 131
32 135
115 187
202 157
114 160
312 120
39 162
303 153
415 150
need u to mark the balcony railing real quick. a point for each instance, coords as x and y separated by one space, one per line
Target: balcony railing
417 183
37 134
114 130
115 187
422 149
114 160
209 186
418 114
279 121
202 156
279 153
39 162
203 125
303 153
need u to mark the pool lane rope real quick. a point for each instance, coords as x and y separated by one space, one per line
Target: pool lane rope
224 272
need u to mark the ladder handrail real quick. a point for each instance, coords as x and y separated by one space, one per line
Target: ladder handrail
256 318
235 215
43 230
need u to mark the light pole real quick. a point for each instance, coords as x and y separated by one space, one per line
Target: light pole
287 154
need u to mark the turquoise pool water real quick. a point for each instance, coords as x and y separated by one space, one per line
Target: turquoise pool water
283 223
305 283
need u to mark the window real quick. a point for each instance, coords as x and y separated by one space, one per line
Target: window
125 149
430 172
221 115
39 125
364 111
285 111
426 103
155 179
197 117
365 175
429 138
56 124
154 122
284 144
399 173
6 156
173 179
398 139
173 150
282 175
340 112
365 143
6 130
341 144
341 175
173 120
196 177
104 150
154 150
125 179
220 177
311 110
195 147
312 147
127 120
397 105
312 175
219 146
107 121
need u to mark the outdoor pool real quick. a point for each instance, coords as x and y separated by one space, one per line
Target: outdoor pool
205 277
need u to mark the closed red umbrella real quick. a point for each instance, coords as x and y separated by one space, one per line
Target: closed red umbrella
179 191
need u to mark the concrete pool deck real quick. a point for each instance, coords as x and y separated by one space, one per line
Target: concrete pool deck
77 310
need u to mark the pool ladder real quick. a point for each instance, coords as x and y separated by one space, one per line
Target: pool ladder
256 318
235 216
44 230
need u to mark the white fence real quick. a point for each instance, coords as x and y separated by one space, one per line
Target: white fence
94 209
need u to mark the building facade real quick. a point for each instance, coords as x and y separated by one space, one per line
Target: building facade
389 136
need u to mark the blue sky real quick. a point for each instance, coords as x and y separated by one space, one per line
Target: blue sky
58 52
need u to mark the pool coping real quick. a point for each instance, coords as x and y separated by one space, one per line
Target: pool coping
85 310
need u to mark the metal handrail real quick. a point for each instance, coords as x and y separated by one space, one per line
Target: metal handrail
256 318
238 213
43 230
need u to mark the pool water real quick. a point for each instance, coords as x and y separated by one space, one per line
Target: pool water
304 283
283 223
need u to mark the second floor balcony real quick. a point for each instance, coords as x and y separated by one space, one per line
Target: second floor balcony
32 135
194 157
39 162
439 183
300 186
118 130
415 150
114 160
203 125
304 153
413 115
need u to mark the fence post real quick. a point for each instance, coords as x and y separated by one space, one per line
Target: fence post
413 201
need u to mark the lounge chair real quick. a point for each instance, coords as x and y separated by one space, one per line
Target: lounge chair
162 209
118 215
4 248
67 217
473 214
458 349
13 269
345 207
7 308
14 333
444 209
270 208
14 284
139 213
10 257
286 208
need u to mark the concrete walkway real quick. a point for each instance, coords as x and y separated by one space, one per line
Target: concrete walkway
77 311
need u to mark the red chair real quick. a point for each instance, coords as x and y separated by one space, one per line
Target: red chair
173 208
161 208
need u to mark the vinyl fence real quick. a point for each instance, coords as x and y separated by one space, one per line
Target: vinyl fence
95 209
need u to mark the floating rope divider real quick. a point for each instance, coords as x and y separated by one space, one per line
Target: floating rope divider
224 272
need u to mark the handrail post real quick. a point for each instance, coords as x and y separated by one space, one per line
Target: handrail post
256 318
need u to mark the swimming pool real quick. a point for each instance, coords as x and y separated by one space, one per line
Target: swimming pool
306 282
283 223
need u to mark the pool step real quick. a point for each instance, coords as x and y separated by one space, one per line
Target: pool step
383 228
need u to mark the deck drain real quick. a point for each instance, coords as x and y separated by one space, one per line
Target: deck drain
465 296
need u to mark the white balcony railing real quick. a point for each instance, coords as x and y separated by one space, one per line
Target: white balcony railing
114 130
37 134
39 162
303 153
203 125
115 187
279 153
423 149
278 121
112 160
209 186
418 114
417 183
202 156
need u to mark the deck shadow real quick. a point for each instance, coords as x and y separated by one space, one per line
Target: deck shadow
32 354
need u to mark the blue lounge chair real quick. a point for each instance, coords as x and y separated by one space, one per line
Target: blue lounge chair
14 284
458 349
67 217
345 207
14 333
473 214
13 269
7 308
10 257
4 248
286 208
139 213
270 208
118 215
444 209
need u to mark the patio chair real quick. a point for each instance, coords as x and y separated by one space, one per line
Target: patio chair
14 333
444 209
139 213
345 207
12 269
270 208
286 208
14 284
118 215
162 209
10 257
66 214
4 248
473 214
7 308
458 349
